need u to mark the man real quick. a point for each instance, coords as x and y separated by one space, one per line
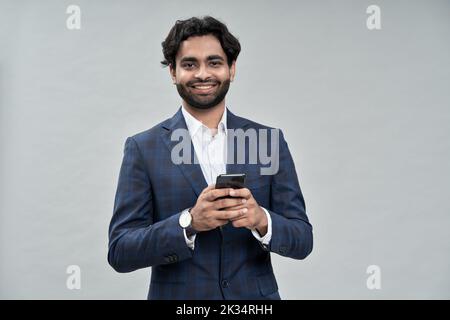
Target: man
204 242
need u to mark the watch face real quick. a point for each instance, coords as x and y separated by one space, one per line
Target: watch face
185 219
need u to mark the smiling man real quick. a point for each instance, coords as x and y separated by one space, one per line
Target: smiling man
203 242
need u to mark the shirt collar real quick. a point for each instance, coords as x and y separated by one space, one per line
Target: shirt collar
194 125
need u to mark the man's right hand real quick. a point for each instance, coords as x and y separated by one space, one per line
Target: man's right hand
206 214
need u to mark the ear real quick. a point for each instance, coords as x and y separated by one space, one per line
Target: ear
232 70
173 74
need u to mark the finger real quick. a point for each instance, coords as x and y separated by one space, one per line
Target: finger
243 217
243 193
217 193
208 188
205 191
230 214
239 208
228 202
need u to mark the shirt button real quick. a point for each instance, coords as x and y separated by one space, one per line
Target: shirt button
225 283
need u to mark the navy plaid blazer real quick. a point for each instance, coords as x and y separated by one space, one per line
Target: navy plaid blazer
228 262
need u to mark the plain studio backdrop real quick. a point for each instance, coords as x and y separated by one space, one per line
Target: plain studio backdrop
366 115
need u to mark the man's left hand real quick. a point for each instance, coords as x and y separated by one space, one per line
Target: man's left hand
254 218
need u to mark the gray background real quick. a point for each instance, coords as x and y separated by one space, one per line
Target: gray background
366 115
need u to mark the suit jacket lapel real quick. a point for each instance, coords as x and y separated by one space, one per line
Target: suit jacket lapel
192 171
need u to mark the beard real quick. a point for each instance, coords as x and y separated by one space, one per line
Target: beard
203 101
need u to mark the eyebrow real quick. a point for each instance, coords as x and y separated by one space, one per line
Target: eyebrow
209 58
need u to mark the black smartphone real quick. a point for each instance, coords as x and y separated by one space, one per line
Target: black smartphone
230 180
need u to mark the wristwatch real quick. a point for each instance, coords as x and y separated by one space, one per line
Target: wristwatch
185 222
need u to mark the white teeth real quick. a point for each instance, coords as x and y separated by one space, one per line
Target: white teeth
203 87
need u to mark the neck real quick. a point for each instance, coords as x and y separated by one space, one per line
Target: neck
209 117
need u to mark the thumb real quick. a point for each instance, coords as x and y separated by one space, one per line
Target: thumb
208 188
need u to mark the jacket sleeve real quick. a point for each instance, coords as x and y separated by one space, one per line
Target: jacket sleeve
135 240
291 231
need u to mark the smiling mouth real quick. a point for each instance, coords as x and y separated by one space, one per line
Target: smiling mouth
204 88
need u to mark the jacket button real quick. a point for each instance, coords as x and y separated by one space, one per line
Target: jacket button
225 283
282 249
174 258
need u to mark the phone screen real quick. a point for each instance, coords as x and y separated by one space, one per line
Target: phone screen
231 180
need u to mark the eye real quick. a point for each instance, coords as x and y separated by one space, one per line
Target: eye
215 63
188 65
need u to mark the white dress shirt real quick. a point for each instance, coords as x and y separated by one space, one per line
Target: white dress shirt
211 150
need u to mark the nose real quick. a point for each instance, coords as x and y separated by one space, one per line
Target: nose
202 73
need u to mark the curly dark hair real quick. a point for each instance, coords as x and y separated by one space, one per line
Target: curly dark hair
194 26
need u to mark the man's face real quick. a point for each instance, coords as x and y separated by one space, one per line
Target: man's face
202 74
